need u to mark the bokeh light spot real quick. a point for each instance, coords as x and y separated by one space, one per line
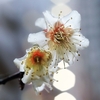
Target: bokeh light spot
64 96
61 7
59 1
66 79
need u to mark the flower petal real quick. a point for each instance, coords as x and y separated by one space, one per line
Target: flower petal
49 18
40 22
38 38
46 79
80 41
18 62
69 57
56 58
38 85
84 43
27 78
72 19
48 85
41 88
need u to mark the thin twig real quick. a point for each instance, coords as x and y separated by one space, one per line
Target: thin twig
17 75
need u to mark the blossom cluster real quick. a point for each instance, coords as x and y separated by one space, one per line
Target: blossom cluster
60 40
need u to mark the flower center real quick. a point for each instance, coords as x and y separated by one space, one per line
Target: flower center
59 33
58 36
37 58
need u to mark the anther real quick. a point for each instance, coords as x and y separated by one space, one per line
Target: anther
27 67
43 74
40 75
78 54
32 75
21 62
60 11
56 80
59 15
68 59
65 68
72 43
40 93
31 78
26 73
56 72
45 40
28 52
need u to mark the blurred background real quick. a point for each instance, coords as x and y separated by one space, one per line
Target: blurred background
17 19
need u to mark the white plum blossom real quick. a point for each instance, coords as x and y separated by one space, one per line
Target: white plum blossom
37 68
61 35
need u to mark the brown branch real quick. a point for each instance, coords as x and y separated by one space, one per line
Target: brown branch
17 75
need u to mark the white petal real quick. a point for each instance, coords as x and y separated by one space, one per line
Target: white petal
80 41
48 85
38 82
56 59
18 62
53 69
69 57
40 22
46 78
38 38
74 22
28 50
84 43
41 88
27 78
77 35
49 18
63 65
38 85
